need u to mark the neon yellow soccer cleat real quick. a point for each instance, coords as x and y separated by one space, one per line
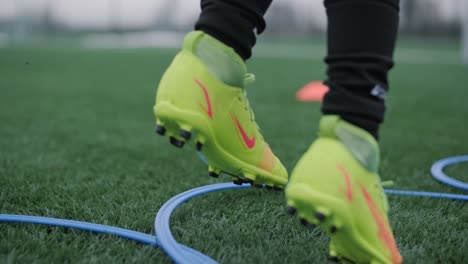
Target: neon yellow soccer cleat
201 100
336 186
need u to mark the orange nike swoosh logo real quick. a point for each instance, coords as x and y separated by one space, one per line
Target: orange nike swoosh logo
384 234
208 109
347 179
249 141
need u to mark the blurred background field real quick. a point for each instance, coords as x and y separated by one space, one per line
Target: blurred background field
77 85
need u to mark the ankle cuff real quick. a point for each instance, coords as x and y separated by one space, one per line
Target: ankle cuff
359 142
221 60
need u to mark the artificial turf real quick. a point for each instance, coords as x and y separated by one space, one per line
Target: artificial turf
77 142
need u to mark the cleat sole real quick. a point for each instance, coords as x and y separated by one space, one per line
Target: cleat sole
329 214
182 122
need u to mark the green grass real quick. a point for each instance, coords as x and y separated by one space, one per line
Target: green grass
77 142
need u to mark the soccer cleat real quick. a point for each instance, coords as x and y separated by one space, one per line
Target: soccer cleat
201 101
335 185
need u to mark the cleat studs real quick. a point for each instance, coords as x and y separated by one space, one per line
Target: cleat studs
237 181
248 181
199 142
185 134
199 146
256 185
174 141
321 217
160 130
306 223
213 174
278 189
249 177
333 229
291 210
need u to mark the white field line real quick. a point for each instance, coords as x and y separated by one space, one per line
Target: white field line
133 40
402 55
3 39
168 40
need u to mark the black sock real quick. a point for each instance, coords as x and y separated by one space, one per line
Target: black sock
361 40
234 22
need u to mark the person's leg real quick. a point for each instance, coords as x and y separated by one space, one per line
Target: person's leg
361 39
336 183
234 22
201 97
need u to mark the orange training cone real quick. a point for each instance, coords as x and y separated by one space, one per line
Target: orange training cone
312 92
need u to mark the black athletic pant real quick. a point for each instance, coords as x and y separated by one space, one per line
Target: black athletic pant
361 38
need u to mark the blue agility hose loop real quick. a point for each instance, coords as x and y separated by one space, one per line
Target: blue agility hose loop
85 226
181 254
162 221
450 196
438 173
90 227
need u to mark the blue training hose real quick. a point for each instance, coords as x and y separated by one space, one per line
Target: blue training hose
161 222
182 254
438 174
91 227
